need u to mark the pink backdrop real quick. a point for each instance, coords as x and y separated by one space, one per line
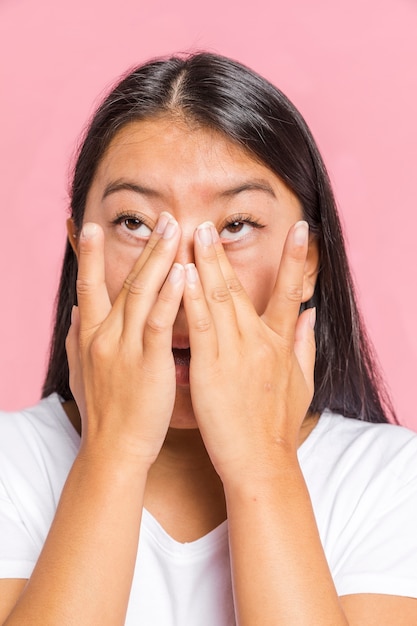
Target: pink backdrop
350 66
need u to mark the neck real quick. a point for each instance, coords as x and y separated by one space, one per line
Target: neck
184 449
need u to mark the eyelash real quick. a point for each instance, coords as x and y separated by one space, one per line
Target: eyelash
234 219
124 216
242 219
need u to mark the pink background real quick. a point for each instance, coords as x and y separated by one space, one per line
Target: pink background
349 66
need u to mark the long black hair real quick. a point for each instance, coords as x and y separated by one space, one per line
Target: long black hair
222 94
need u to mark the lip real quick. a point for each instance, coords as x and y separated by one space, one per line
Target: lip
180 343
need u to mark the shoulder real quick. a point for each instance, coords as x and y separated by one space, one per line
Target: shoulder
39 430
362 480
351 443
37 416
37 448
367 469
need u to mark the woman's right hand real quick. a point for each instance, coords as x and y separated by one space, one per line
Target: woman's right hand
122 371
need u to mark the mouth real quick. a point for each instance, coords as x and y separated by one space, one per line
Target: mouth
182 358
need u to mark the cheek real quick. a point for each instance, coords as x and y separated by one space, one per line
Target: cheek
258 281
119 262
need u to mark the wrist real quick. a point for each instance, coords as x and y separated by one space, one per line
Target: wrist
278 468
113 460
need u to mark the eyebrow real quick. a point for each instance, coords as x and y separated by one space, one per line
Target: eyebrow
251 185
125 185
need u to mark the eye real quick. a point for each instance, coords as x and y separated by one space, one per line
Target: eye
133 225
238 227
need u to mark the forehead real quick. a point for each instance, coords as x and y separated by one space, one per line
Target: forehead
178 163
167 149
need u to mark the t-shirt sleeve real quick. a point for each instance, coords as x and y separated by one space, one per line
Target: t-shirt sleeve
37 448
379 542
18 552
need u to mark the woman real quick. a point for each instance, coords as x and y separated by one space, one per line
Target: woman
215 354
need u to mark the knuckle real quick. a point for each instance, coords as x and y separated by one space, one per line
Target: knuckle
84 286
100 347
202 325
294 293
134 287
265 351
220 294
156 325
234 285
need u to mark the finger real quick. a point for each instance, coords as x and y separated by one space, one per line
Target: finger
157 339
156 234
283 308
210 259
201 329
71 342
93 299
72 348
241 300
142 286
305 345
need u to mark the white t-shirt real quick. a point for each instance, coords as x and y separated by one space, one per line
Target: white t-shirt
362 480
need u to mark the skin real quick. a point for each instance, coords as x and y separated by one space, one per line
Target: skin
226 441
194 186
206 180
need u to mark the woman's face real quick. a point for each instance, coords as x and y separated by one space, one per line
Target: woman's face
196 175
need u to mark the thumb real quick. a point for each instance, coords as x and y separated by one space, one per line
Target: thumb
305 345
73 355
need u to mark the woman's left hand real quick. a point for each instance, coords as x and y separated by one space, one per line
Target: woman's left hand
251 376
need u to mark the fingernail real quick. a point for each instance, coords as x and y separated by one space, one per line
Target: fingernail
301 233
205 233
89 230
162 222
312 318
170 229
191 273
176 273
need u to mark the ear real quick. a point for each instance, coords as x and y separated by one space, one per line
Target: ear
72 235
311 268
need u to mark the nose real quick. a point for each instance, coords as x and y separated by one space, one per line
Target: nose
185 252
